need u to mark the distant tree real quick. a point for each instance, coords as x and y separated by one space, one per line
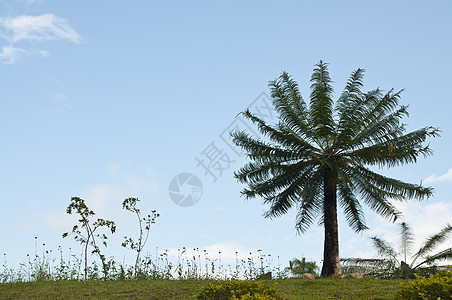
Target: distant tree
317 156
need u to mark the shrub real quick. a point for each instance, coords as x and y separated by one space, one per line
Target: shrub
438 286
298 267
236 289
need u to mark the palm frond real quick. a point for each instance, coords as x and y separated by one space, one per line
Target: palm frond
348 107
390 187
266 152
283 138
368 116
321 104
311 205
369 267
374 196
443 255
351 92
379 131
432 242
272 186
290 105
290 175
352 209
397 151
406 239
254 172
385 249
377 105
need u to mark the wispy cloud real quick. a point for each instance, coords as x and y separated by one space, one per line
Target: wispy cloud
30 2
104 199
43 28
107 198
62 102
441 178
58 220
10 55
25 28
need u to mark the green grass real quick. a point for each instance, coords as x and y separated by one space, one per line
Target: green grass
338 288
185 289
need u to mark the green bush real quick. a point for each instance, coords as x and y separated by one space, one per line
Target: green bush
438 287
236 289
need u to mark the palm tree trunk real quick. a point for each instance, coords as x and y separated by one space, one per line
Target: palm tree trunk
331 265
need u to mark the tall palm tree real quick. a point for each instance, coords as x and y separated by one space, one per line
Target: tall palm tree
318 156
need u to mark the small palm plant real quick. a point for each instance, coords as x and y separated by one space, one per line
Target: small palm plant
298 267
394 263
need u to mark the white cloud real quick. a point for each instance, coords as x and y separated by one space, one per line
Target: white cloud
113 170
441 178
59 220
33 203
29 2
32 28
426 218
97 197
104 199
62 102
43 53
107 198
10 55
55 220
44 27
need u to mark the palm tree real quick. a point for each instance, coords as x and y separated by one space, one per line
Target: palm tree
424 254
318 156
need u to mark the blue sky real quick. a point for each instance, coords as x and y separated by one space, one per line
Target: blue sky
108 101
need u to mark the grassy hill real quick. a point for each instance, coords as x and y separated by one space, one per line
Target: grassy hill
186 289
